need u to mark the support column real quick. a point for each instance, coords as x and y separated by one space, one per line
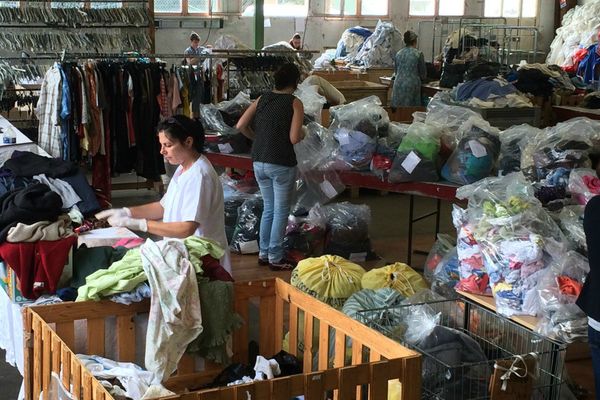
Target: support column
259 24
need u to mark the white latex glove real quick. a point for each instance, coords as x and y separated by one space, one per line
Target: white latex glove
114 213
136 224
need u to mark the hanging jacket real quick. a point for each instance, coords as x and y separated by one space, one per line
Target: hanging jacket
587 66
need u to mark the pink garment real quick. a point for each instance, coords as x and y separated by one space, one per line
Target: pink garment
129 243
592 183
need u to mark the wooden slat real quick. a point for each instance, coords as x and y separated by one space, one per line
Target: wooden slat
95 336
27 351
262 390
186 365
284 388
76 372
380 373
69 312
266 328
240 336
357 348
308 341
212 394
87 385
314 386
340 349
37 360
323 362
411 378
278 324
350 377
126 338
293 337
99 392
46 359
56 354
227 393
244 392
66 366
374 356
66 332
246 290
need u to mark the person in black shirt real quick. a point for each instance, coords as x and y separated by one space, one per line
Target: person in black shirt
277 118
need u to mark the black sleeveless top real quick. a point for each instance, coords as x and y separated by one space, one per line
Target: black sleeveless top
272 123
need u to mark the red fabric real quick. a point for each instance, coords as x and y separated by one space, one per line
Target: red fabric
577 57
38 265
474 284
130 243
569 286
382 162
214 271
592 183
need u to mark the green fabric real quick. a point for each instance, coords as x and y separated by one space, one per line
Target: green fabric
88 260
125 274
427 147
218 320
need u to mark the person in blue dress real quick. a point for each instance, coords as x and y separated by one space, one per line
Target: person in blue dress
410 70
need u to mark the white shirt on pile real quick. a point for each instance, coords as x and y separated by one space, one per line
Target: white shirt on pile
197 195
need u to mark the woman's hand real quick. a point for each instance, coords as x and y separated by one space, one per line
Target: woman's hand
136 224
113 214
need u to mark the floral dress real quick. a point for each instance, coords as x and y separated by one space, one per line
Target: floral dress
410 69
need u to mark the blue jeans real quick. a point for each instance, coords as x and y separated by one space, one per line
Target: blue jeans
276 183
594 341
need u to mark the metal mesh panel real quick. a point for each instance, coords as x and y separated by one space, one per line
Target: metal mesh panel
198 6
167 6
498 337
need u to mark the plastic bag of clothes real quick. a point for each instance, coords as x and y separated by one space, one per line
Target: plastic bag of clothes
245 236
517 238
351 42
366 306
315 151
232 204
511 141
571 222
355 149
232 110
475 155
213 121
446 275
364 115
566 145
417 155
567 324
348 230
231 144
397 276
583 185
315 187
328 278
440 248
383 158
305 236
311 100
472 275
379 49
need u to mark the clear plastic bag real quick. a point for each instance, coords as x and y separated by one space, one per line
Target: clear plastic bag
446 275
378 50
364 115
315 187
417 155
568 324
382 159
475 156
396 132
583 185
232 110
311 100
420 321
355 149
316 150
247 228
440 248
348 231
571 222
212 120
305 236
511 141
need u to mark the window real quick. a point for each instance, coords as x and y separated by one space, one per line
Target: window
432 8
277 8
511 8
357 7
183 7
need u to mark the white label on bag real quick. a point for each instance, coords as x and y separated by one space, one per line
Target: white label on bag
225 148
358 257
249 247
477 148
328 189
410 162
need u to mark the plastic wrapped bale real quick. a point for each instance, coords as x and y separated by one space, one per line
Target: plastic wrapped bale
312 101
213 121
571 222
446 275
475 155
348 231
567 324
247 227
232 110
397 276
517 237
566 145
511 141
315 151
472 275
355 149
364 115
235 143
396 132
330 279
379 49
235 182
383 159
367 306
305 236
440 248
416 158
447 118
583 185
231 206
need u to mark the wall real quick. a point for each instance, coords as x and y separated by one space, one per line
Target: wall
323 33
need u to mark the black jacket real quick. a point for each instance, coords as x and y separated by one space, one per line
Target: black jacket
589 299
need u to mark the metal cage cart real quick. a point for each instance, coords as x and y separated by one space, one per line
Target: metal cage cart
499 339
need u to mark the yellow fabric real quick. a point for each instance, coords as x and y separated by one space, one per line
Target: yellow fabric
394 389
331 279
398 276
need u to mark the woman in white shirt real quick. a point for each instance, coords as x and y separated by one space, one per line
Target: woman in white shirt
193 204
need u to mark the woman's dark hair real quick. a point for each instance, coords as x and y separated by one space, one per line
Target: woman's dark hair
296 36
194 36
288 75
180 127
410 38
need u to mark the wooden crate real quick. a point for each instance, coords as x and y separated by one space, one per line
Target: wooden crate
366 362
355 90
